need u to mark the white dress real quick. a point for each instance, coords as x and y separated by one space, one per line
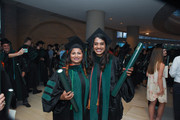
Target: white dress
153 88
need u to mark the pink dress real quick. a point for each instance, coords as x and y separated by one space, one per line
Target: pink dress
153 88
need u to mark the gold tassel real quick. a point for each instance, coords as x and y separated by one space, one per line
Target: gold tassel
97 102
88 106
97 106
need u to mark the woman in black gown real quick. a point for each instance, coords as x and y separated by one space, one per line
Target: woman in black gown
56 99
105 70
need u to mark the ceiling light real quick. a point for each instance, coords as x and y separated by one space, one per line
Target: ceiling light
147 33
110 18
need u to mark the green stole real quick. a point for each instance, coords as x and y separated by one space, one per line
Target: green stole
77 89
106 78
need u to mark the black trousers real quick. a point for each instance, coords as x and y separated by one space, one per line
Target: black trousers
176 100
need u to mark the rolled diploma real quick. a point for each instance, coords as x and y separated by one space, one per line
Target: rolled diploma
129 65
67 88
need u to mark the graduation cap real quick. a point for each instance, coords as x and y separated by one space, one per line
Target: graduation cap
50 45
100 34
5 41
75 42
40 42
161 46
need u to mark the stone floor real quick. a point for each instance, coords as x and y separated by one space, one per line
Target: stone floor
137 109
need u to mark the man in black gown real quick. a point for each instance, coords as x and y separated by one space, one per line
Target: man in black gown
15 68
43 63
31 58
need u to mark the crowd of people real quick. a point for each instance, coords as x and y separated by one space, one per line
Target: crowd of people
91 71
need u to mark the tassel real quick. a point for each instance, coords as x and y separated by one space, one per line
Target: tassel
88 106
97 106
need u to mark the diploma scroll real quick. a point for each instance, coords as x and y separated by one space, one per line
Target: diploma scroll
23 80
67 88
8 100
129 65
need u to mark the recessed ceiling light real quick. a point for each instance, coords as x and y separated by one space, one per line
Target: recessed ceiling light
147 33
110 18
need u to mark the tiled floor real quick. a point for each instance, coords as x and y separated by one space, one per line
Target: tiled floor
137 109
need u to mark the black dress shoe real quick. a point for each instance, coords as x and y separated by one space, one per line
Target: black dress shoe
13 106
29 91
37 91
27 104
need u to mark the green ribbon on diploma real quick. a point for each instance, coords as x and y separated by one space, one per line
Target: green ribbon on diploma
67 87
129 65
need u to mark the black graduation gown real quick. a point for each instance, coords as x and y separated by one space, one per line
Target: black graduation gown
14 67
43 66
126 92
5 85
60 108
31 59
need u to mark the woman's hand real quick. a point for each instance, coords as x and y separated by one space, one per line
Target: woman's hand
23 74
67 95
2 101
129 71
161 92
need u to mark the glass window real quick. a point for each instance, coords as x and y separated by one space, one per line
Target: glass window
124 35
119 34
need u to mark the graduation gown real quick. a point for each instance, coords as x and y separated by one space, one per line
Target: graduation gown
110 108
14 67
43 66
4 86
62 109
31 59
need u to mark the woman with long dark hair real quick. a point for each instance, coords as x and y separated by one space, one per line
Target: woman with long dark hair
56 99
104 71
156 86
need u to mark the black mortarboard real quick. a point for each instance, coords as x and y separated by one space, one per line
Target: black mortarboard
40 42
50 45
5 41
160 46
101 34
75 42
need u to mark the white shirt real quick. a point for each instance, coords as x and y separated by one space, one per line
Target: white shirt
175 69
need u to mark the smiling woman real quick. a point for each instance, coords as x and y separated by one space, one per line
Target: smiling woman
99 46
104 70
76 56
56 98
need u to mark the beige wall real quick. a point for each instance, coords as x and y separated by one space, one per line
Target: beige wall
10 23
22 21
